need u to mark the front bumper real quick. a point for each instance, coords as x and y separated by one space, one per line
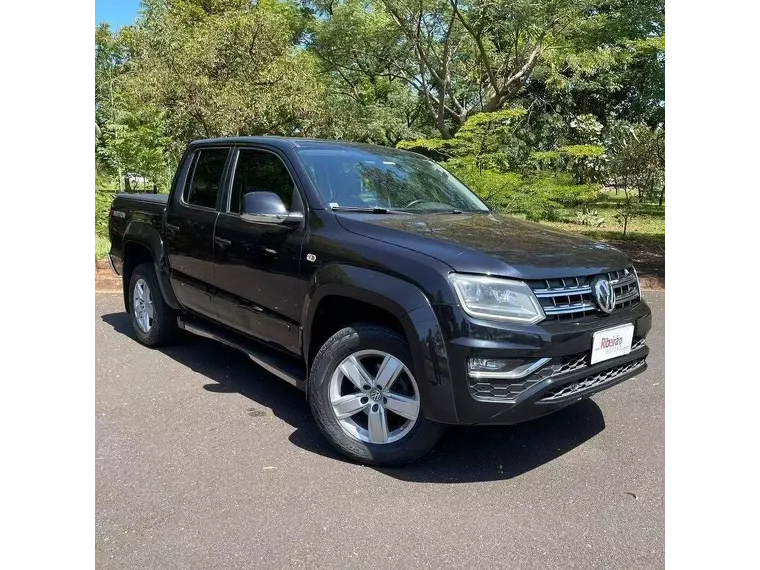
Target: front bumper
553 386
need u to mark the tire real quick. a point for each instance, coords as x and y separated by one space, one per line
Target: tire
161 319
380 352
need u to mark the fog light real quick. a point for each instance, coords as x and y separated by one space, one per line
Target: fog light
503 367
493 364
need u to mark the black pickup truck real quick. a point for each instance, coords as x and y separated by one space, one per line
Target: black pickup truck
380 285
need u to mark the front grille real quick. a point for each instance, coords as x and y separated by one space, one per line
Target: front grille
571 298
495 389
592 381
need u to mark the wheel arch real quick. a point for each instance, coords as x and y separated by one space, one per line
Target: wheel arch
365 295
143 244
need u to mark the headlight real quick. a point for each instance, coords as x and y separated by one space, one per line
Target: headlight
496 298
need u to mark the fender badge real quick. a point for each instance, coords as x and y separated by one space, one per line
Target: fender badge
311 257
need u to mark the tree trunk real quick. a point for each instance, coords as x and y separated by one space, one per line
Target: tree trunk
662 196
440 121
127 186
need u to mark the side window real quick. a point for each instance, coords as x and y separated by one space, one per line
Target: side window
260 171
206 177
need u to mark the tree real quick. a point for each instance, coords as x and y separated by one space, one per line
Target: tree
612 65
460 56
110 61
359 50
226 67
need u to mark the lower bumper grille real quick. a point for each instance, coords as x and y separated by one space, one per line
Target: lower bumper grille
592 381
501 390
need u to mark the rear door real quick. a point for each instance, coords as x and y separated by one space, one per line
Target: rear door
256 264
189 236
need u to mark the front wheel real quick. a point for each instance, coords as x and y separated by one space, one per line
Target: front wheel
366 400
154 322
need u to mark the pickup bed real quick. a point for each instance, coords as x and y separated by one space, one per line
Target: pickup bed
380 285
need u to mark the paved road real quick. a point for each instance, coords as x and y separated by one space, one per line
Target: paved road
203 460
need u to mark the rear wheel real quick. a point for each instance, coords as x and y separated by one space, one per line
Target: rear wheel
154 322
366 399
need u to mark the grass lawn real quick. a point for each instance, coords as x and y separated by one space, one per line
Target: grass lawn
102 246
647 228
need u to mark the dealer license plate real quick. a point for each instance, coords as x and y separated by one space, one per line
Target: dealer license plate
611 343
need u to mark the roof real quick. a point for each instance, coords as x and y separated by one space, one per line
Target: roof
294 142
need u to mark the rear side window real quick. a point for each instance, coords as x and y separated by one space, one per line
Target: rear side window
203 184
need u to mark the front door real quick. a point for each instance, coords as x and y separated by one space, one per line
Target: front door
189 236
256 264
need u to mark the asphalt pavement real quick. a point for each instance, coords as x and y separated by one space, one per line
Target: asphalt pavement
204 460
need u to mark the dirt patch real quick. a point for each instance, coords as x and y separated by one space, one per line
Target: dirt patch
105 278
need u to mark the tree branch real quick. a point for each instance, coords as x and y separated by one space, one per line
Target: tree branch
479 42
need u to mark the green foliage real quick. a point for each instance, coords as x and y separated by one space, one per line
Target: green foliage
103 200
581 150
637 159
534 105
458 57
587 129
102 247
545 194
612 64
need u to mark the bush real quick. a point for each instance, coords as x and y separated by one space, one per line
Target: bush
637 159
589 218
103 199
542 196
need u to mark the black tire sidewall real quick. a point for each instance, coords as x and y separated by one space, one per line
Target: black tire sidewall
164 319
349 340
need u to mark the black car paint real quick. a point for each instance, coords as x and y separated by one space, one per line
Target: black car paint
256 279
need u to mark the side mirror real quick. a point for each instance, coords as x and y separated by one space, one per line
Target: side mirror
266 207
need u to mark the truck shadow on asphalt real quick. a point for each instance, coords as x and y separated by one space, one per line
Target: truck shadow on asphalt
464 454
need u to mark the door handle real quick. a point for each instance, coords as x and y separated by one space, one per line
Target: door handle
221 241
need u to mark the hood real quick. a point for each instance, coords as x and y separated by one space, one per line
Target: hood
489 243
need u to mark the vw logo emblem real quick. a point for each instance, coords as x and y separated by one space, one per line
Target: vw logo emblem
375 395
604 295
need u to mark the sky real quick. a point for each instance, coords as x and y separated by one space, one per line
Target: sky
118 13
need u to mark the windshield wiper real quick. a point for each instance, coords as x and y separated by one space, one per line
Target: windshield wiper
369 210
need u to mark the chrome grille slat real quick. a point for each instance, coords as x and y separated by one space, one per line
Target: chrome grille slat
568 309
633 294
584 290
572 297
630 278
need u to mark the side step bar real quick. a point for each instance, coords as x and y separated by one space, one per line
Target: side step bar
284 367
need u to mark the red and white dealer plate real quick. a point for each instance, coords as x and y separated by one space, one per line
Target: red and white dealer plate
611 343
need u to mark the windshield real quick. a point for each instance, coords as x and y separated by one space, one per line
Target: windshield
358 178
